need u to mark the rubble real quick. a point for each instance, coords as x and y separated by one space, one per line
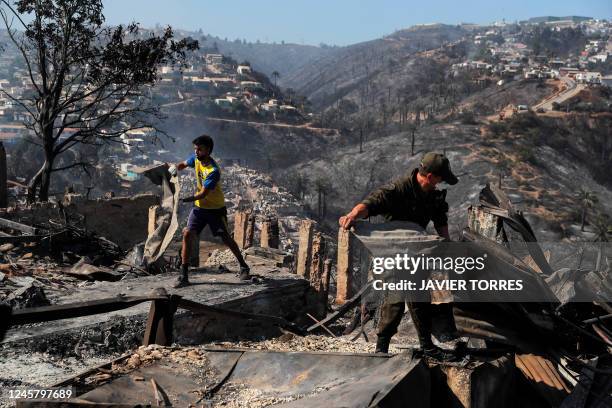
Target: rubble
221 257
27 296
538 352
249 189
292 343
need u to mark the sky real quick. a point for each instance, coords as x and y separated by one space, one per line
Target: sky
333 22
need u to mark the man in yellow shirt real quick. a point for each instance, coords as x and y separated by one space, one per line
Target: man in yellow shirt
209 206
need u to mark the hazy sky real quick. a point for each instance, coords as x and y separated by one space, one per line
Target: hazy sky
338 22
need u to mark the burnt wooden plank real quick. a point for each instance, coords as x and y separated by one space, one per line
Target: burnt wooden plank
12 239
87 308
18 226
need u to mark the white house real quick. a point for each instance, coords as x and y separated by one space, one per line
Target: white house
598 58
243 69
588 77
213 59
223 102
250 85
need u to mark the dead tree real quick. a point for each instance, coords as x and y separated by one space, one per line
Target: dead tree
86 78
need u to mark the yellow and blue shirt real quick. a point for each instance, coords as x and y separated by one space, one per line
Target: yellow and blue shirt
208 176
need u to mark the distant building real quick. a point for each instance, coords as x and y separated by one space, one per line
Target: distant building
223 102
128 172
243 69
166 69
134 139
556 63
213 59
567 71
588 77
250 85
599 58
607 81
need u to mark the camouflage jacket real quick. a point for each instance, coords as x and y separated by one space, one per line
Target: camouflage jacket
403 200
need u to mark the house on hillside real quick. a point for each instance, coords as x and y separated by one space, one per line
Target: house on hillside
213 59
250 85
224 103
201 82
243 69
598 58
134 139
588 77
556 63
568 71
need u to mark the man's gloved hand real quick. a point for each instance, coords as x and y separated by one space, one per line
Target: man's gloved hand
172 170
188 199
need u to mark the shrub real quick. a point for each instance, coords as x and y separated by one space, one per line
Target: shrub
498 128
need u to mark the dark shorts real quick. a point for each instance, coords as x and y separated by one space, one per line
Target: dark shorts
200 217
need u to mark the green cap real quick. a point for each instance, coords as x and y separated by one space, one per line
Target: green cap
439 165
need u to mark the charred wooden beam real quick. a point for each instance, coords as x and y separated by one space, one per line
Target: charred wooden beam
343 309
160 320
13 239
4 223
305 248
68 311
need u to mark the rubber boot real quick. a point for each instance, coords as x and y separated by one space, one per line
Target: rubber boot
382 344
183 279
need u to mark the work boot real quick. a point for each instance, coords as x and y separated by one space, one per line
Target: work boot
182 280
382 344
438 354
245 273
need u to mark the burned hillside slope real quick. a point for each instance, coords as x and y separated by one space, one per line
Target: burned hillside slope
543 178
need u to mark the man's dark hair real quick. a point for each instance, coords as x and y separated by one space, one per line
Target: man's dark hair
205 141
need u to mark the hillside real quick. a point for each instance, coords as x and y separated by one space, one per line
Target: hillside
543 178
268 58
331 77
